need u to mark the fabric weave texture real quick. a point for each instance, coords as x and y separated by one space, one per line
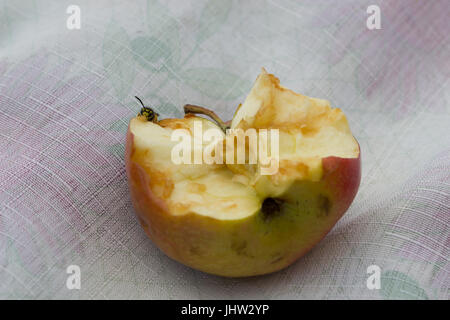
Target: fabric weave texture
66 97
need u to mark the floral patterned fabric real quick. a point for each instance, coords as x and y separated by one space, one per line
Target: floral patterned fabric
66 97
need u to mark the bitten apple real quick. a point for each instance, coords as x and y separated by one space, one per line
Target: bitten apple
229 219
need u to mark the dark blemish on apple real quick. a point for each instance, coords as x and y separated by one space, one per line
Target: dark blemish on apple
277 260
143 223
195 251
324 205
271 207
239 247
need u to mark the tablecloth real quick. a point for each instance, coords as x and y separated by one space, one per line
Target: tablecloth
67 94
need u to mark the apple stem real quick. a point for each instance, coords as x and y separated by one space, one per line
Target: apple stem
193 109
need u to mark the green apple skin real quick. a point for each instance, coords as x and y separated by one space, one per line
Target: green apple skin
259 244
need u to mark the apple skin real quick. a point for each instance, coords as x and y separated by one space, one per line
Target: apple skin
254 245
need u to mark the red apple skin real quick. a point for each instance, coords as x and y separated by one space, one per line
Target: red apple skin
250 246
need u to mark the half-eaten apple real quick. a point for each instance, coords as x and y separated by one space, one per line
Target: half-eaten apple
229 219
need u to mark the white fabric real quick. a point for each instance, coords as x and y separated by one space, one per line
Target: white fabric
66 97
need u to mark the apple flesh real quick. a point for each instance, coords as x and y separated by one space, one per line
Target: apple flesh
228 219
